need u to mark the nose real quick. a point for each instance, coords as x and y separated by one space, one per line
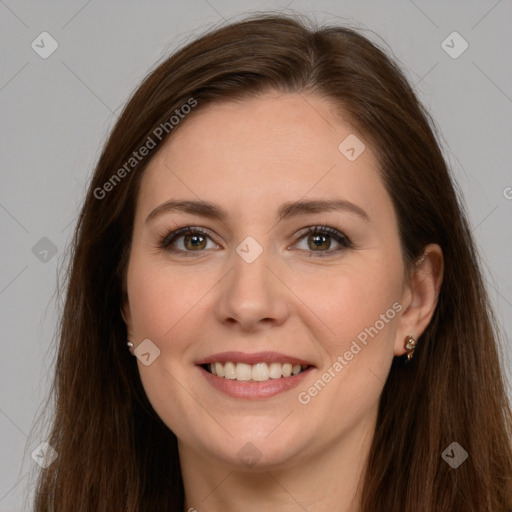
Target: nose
253 296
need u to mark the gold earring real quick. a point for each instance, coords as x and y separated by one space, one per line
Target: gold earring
410 345
420 260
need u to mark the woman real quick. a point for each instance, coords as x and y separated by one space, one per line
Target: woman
274 301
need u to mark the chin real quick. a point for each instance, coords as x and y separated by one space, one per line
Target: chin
258 449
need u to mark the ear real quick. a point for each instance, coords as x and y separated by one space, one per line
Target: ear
419 299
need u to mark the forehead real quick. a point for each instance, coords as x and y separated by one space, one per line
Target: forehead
274 148
276 129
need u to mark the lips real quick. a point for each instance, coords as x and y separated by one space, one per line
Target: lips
255 375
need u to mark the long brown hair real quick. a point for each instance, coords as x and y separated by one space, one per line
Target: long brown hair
114 452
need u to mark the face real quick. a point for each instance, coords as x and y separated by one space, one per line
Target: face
266 281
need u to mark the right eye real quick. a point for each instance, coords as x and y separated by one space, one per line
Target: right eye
192 239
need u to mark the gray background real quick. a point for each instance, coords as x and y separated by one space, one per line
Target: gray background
57 111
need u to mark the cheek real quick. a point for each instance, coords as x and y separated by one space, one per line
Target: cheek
151 300
166 303
151 297
361 316
349 300
355 315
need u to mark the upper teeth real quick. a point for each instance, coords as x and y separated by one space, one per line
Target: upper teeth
258 372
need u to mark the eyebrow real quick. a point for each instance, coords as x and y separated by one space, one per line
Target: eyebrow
286 210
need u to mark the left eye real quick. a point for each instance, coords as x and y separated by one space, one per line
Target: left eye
319 239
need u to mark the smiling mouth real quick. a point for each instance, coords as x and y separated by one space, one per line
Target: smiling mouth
259 372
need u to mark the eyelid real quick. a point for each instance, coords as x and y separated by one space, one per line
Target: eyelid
321 228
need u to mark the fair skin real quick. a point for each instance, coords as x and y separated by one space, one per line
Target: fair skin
250 158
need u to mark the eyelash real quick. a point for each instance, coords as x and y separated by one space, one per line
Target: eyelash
345 243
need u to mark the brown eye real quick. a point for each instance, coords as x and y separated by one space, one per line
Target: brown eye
187 239
194 241
319 240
